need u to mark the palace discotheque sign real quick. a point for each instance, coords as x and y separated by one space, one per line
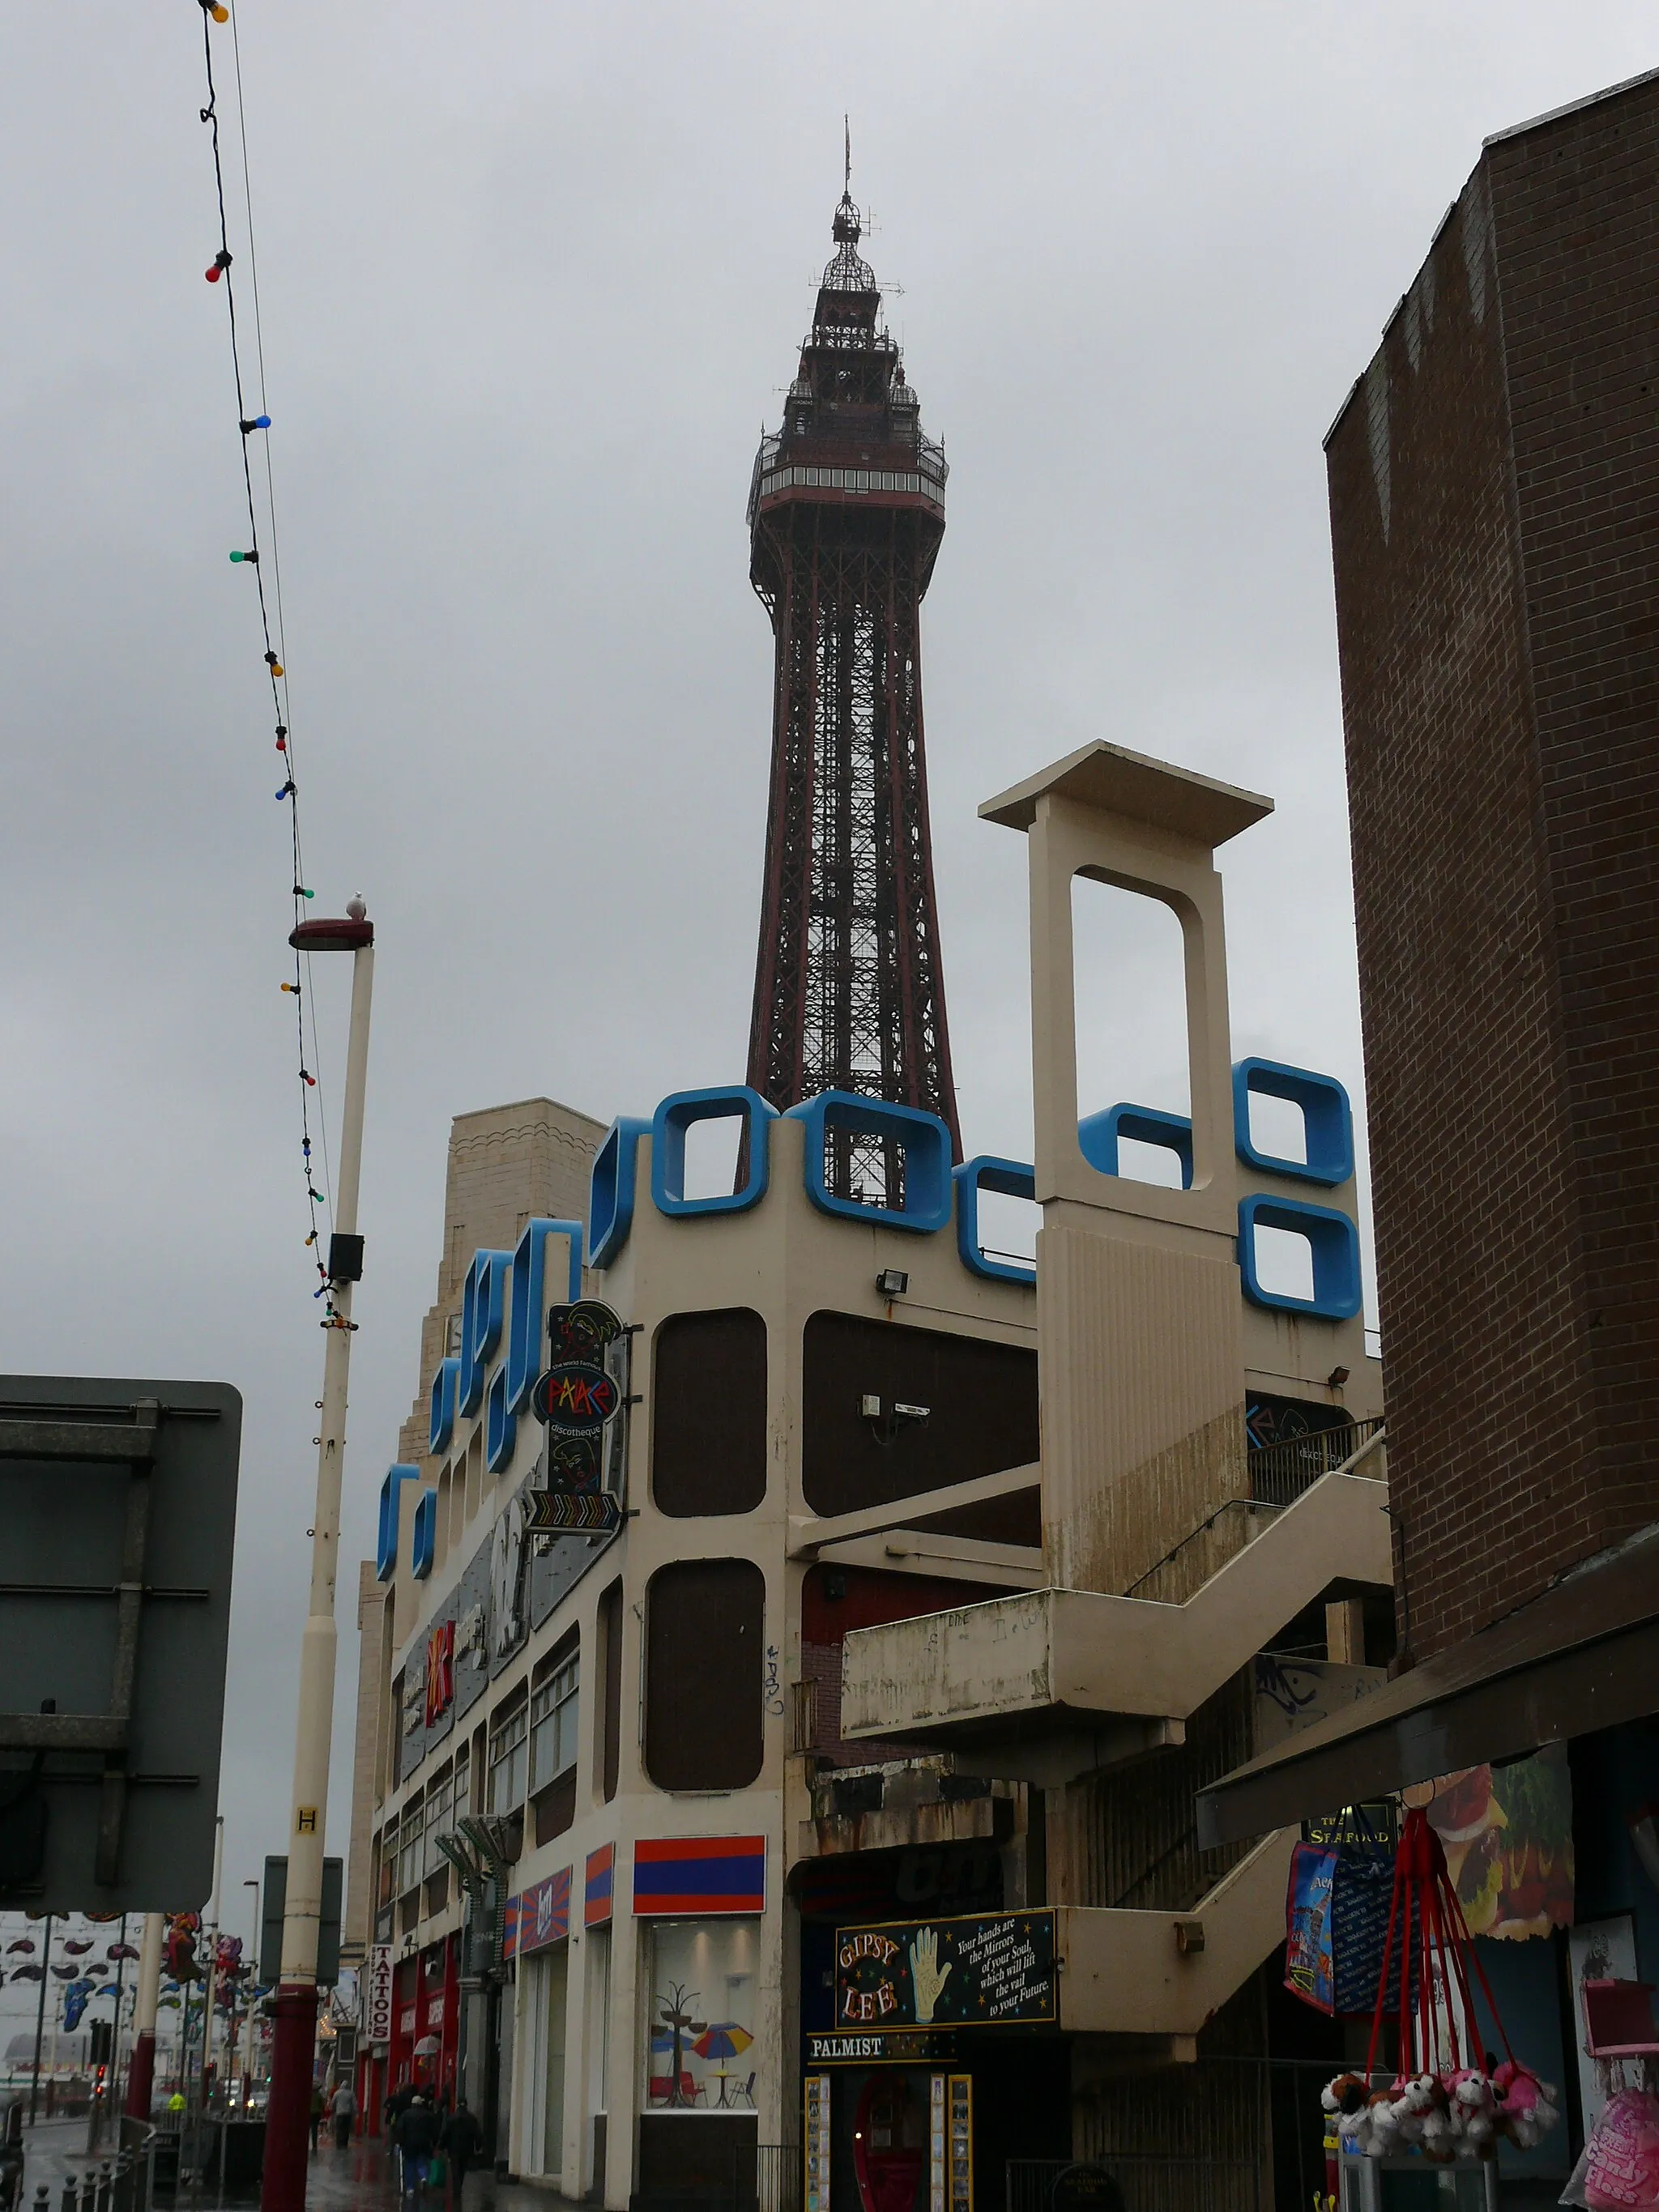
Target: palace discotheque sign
982 1970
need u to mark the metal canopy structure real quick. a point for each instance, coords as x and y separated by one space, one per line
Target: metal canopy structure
117 1504
846 512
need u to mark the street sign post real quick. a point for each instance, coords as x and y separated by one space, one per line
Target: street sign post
117 1502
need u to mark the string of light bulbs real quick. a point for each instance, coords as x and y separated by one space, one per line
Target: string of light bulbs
261 556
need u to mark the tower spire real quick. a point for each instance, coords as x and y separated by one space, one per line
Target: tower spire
846 512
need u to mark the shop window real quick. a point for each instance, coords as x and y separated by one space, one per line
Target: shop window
409 1850
555 1703
702 2022
609 1746
437 1821
705 1624
971 1410
709 1413
509 1759
463 1796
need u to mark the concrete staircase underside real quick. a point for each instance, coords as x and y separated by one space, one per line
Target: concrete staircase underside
1164 1973
1047 1685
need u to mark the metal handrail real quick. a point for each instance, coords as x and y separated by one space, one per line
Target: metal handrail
1306 1460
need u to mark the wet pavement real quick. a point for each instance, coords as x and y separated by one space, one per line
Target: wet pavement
360 2178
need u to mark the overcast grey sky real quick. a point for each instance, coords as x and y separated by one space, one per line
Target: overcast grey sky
534 276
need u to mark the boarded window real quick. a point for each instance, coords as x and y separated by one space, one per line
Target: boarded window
705 1622
709 1413
610 1634
979 1401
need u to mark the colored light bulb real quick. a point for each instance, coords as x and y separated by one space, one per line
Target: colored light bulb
287 791
259 422
217 9
294 988
307 1079
273 664
300 891
281 745
251 558
221 263
312 1239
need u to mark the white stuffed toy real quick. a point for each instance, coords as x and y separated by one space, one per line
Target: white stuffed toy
1473 2103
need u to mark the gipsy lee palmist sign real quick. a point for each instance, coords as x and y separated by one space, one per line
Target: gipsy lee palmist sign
978 1970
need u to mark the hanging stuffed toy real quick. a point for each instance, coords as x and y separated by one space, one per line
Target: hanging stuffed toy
1441 2104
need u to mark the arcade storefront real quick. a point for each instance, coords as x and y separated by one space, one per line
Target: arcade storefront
940 2060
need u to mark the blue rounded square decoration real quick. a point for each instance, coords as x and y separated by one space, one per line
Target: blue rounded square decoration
676 1116
385 1546
527 1304
425 1546
440 1418
484 1306
1325 1110
1097 1136
501 1427
1012 1179
1335 1243
926 1144
610 1190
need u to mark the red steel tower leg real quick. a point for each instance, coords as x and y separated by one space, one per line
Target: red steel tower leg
846 512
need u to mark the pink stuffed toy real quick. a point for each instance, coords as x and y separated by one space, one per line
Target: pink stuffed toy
1473 2103
1526 2106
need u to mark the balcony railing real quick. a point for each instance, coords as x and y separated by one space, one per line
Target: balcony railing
1281 1473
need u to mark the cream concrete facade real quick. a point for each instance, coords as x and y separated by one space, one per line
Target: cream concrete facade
1146 1356
1145 1353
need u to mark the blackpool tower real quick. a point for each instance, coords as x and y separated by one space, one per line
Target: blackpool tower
846 512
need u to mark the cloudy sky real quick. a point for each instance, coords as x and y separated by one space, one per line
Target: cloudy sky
532 280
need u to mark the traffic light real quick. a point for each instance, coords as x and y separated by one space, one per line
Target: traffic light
103 2042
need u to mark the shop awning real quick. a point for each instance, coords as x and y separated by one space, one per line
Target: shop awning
1583 1655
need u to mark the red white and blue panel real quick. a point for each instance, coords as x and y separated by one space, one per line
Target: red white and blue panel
544 1913
700 1874
601 1890
510 1926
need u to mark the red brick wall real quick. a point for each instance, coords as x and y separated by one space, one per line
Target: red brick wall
1496 535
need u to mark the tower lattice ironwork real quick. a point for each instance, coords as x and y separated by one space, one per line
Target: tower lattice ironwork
846 512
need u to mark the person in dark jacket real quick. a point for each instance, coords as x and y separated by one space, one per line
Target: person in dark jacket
391 2112
416 2138
462 2141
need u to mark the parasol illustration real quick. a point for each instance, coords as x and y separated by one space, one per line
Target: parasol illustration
722 2038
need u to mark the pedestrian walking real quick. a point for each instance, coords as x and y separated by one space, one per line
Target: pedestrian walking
461 2140
416 2135
344 2112
391 2112
317 2109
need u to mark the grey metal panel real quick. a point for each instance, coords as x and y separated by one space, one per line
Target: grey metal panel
411 1721
509 1581
85 1485
438 1729
472 1631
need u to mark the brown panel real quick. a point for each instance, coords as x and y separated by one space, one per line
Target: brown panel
705 1621
610 1659
982 1411
555 1806
709 1413
709 2155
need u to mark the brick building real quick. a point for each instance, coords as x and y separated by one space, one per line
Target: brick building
1494 487
1494 481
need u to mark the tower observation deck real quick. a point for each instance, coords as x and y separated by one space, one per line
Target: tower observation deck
846 512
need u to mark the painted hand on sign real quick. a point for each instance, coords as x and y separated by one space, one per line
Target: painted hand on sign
927 1978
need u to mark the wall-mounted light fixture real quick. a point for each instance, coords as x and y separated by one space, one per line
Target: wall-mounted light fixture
892 1282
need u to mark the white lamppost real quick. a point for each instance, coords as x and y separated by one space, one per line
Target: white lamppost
295 2039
